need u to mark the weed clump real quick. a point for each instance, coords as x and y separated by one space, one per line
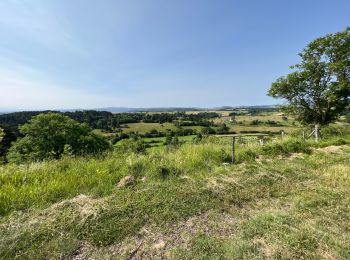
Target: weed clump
286 148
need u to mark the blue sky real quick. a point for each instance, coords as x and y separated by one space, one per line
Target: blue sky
154 53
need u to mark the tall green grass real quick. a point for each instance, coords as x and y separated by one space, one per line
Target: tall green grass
40 184
173 185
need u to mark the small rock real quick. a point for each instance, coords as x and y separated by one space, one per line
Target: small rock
159 245
126 181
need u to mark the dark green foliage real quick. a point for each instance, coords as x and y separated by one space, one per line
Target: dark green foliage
7 136
108 121
208 130
168 139
49 135
223 129
175 140
172 140
198 138
318 90
165 171
256 122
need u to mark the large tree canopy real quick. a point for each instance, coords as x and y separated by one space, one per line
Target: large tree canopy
318 90
50 135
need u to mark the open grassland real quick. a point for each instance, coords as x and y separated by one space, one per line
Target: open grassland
243 123
142 128
287 199
275 116
146 127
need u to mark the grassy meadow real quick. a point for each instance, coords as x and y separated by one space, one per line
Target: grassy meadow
243 122
286 199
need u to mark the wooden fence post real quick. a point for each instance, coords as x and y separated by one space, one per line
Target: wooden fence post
316 132
261 141
233 149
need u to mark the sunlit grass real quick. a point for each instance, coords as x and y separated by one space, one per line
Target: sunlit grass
282 206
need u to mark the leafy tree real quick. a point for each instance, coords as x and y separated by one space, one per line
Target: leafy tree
48 135
318 91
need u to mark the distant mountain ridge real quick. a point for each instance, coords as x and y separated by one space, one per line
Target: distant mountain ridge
149 109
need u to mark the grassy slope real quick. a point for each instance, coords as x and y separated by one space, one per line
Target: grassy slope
190 206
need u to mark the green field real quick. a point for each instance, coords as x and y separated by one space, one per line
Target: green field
146 127
243 123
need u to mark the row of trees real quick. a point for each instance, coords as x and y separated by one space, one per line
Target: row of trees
108 121
53 135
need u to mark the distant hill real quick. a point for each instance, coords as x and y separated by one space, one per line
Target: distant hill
151 109
180 109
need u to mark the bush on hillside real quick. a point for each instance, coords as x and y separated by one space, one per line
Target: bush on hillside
286 147
132 145
332 131
47 135
208 130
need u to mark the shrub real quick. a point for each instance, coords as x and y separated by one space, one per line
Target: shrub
223 129
132 145
165 171
245 155
47 135
332 131
208 130
285 147
256 122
